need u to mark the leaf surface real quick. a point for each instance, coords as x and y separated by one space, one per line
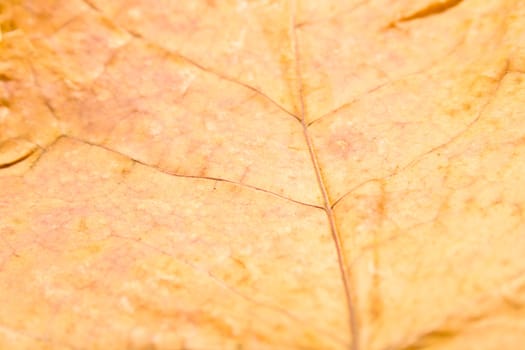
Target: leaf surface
262 174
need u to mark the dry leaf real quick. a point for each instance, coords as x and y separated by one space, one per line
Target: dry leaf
262 174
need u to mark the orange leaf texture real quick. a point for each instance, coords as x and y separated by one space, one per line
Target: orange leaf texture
262 174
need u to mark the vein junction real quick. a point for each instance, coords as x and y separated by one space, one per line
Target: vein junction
326 200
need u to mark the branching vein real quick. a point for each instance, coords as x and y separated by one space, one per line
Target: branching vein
327 206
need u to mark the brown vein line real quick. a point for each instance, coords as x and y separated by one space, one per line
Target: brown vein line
388 82
419 158
359 185
322 186
218 179
213 72
354 100
188 60
238 184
